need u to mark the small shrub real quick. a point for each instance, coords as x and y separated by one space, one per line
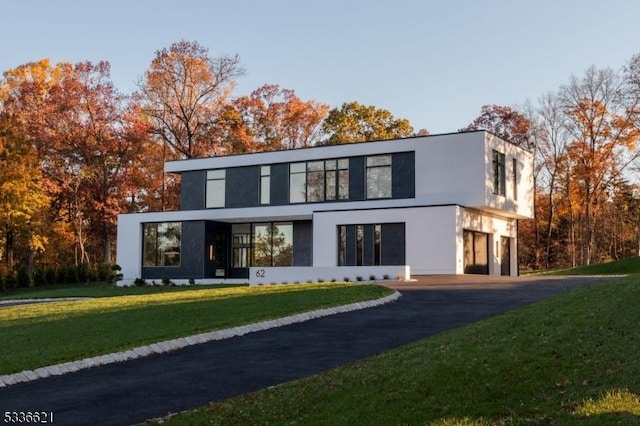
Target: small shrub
192 281
167 281
116 275
39 278
320 280
333 280
309 281
399 277
140 282
346 279
385 277
10 280
50 277
372 277
296 282
359 278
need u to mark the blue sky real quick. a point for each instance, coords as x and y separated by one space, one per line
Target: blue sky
433 62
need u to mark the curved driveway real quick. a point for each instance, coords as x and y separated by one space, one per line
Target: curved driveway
133 391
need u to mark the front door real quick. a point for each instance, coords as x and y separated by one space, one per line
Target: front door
505 256
220 255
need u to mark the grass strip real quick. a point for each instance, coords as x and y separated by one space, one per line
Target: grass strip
101 290
33 336
570 360
630 265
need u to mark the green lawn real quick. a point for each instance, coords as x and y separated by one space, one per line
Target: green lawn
630 265
37 335
99 290
569 360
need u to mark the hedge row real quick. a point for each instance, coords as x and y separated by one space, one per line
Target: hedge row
66 274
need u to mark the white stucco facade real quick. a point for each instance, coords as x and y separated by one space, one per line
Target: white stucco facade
453 191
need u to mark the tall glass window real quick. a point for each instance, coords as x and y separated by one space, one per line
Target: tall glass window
379 177
359 245
514 164
297 182
342 245
272 244
241 245
377 244
498 173
161 245
315 181
265 184
215 188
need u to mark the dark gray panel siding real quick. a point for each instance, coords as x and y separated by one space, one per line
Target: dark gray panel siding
192 252
279 184
242 187
393 244
356 178
192 189
303 243
403 175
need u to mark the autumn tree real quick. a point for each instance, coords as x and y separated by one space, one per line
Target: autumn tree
275 119
22 198
603 145
76 121
505 122
183 92
354 122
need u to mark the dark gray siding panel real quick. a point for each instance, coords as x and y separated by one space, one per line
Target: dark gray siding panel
279 184
303 243
403 175
356 179
393 244
192 190
242 187
192 251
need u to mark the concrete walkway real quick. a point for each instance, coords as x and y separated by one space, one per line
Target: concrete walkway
132 391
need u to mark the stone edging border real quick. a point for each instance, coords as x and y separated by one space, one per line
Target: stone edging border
183 342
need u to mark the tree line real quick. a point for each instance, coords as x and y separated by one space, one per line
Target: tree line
75 152
585 138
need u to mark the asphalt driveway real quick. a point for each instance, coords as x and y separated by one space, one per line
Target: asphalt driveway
130 392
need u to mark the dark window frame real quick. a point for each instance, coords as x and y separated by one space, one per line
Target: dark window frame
159 254
387 167
212 181
337 175
499 173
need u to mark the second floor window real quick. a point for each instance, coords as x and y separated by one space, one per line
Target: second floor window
216 188
499 178
265 184
378 177
316 181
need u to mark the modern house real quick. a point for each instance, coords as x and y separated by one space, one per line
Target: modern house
439 204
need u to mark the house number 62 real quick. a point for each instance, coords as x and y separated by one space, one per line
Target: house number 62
260 273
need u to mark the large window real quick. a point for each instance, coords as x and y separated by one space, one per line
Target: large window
272 244
476 252
379 177
215 188
316 181
161 245
362 245
262 244
499 181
